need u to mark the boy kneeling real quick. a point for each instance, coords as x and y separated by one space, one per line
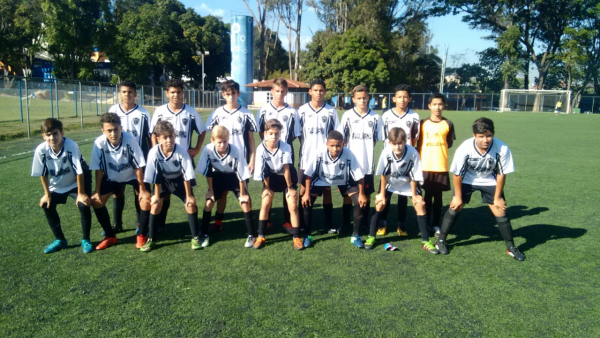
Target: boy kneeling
171 171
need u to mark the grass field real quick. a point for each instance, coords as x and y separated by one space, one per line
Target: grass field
332 289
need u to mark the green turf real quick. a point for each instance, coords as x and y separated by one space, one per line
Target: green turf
333 289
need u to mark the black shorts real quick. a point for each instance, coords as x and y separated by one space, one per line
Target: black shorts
176 187
369 184
57 198
345 190
301 177
487 192
226 182
277 183
112 187
436 181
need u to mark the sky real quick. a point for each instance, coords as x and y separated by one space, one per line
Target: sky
449 32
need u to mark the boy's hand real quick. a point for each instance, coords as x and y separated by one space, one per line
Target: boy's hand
251 167
456 204
96 198
306 200
500 204
267 192
380 199
190 201
210 196
418 199
84 199
45 200
144 195
155 200
193 152
291 193
362 200
244 198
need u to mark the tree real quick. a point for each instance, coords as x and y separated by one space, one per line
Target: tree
264 7
276 57
290 12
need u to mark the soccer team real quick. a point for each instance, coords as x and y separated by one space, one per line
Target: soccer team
155 156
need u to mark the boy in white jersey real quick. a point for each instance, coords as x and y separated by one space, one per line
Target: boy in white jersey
118 161
317 120
185 120
335 165
170 169
400 169
63 172
362 128
274 166
225 169
241 125
481 163
136 121
402 117
290 121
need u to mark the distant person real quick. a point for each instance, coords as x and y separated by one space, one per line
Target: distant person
558 107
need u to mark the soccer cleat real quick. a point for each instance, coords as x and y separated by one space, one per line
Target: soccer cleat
196 244
86 246
308 240
250 241
401 232
429 247
106 243
515 253
437 232
259 243
370 243
332 231
298 243
382 231
140 241
55 246
288 227
217 226
147 246
441 246
357 242
204 241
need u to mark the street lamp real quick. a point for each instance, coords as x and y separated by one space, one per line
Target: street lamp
203 75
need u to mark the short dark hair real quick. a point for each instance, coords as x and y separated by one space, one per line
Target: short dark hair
51 124
335 135
176 83
437 96
127 83
230 86
397 135
483 124
403 88
280 82
318 82
110 118
359 89
273 123
164 128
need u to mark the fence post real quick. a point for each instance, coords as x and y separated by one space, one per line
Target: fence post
56 91
51 101
152 96
76 103
27 104
21 101
100 84
81 102
142 96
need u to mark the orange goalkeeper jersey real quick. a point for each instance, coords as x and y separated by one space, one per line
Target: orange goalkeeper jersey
434 140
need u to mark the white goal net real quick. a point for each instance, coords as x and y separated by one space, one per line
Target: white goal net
535 100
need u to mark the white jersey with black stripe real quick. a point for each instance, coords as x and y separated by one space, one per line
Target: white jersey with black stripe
409 121
61 168
233 162
184 121
478 168
401 170
135 121
273 161
288 116
326 171
239 122
118 163
160 167
315 125
360 133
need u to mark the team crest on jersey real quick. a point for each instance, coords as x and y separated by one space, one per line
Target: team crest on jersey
324 119
403 165
342 165
491 161
184 121
409 123
285 118
239 119
176 163
134 133
136 121
370 124
64 160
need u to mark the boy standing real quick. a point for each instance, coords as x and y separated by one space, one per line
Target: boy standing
274 166
225 169
335 165
118 161
481 163
290 121
437 136
241 124
135 120
402 117
317 120
170 169
362 128
400 169
63 172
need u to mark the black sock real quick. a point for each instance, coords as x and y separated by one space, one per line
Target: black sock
328 210
374 223
205 222
300 214
118 206
296 232
357 215
219 216
104 220
365 213
144 221
308 217
437 207
505 230
402 205
447 223
138 209
54 221
249 223
86 220
193 221
152 223
286 210
384 213
422 221
346 212
163 213
262 225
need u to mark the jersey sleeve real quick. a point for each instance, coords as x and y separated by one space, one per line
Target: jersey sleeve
296 130
138 155
378 133
260 120
151 171
153 122
260 165
211 121
344 128
198 124
287 157
39 167
76 158
311 165
204 167
382 164
505 163
187 167
96 162
336 119
355 169
419 145
459 165
242 169
451 136
250 123
416 173
415 129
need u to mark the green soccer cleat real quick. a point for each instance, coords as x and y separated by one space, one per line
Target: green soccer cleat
55 246
429 247
147 247
196 243
86 246
370 243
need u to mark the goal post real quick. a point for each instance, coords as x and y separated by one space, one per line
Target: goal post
534 100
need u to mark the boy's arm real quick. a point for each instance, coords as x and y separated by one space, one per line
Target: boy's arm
416 198
144 193
252 151
380 197
81 195
194 151
457 203
499 202
46 198
306 196
288 180
154 140
362 199
267 190
96 195
243 196
190 200
210 194
156 196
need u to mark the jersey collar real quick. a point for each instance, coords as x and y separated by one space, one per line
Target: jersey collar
119 145
404 151
280 109
219 155
135 106
486 151
316 110
362 116
269 151
231 112
175 113
339 156
60 152
400 116
163 154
